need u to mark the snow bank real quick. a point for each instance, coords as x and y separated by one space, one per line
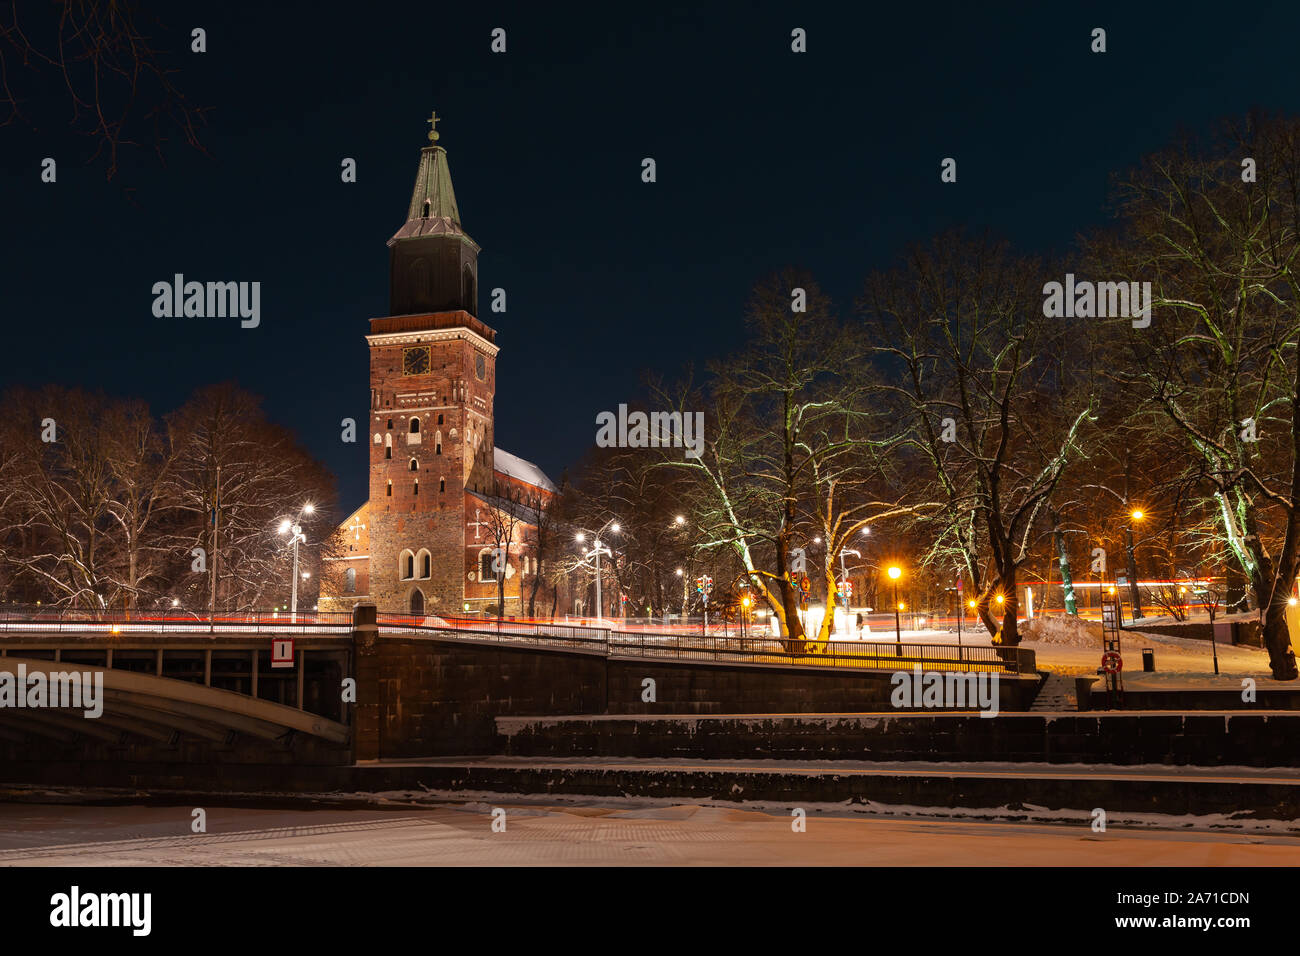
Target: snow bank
1061 629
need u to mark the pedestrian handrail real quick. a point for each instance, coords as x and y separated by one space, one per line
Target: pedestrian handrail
685 645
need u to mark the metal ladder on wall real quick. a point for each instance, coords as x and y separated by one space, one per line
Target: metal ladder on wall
1111 631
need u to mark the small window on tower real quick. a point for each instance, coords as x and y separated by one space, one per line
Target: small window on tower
415 426
442 485
390 489
388 451
439 419
417 486
390 424
426 565
415 465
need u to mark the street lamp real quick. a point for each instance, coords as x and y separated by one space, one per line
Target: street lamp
1134 595
895 573
596 550
294 526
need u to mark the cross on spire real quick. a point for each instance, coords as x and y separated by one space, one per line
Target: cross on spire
433 122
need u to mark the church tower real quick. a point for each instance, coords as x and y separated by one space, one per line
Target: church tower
432 382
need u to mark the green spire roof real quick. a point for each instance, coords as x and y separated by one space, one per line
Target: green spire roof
433 201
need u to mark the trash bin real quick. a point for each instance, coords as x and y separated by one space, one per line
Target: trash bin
1148 660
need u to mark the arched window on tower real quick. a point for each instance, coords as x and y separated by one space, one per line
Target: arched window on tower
417 486
426 564
427 204
390 489
350 581
437 443
468 291
415 425
415 465
442 485
388 446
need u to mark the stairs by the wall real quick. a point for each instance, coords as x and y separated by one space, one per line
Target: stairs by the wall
1056 694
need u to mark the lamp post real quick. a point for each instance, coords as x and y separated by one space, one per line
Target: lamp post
895 573
1134 595
597 549
295 527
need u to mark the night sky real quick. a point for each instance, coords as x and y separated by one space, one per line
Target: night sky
827 160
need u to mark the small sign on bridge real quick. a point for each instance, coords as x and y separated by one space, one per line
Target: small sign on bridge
282 652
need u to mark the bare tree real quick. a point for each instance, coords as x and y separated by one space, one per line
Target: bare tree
104 57
969 361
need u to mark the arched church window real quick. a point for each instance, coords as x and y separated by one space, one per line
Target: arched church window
467 289
427 204
350 580
406 565
415 465
426 564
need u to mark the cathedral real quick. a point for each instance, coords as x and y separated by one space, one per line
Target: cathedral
450 516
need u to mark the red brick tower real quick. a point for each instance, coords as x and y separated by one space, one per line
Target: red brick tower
432 381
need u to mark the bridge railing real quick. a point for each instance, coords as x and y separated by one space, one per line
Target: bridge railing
858 654
170 621
679 645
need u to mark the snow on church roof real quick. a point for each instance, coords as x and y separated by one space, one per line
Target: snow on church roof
521 470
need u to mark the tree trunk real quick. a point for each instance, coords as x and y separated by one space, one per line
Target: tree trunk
1063 559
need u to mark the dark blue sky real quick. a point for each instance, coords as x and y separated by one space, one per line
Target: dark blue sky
827 160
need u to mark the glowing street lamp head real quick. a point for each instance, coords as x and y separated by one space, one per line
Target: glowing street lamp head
1137 514
579 537
744 602
615 527
970 603
866 531
817 540
902 605
1001 598
679 572
309 508
895 572
680 519
285 525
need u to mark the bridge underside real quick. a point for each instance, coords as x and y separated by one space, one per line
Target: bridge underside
145 708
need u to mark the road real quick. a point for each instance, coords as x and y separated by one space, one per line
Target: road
626 834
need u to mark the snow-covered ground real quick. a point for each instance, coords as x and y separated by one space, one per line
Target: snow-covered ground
425 829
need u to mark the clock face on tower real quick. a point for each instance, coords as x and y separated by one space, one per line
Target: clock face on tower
415 361
480 366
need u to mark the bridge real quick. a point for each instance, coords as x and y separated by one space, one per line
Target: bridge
177 685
